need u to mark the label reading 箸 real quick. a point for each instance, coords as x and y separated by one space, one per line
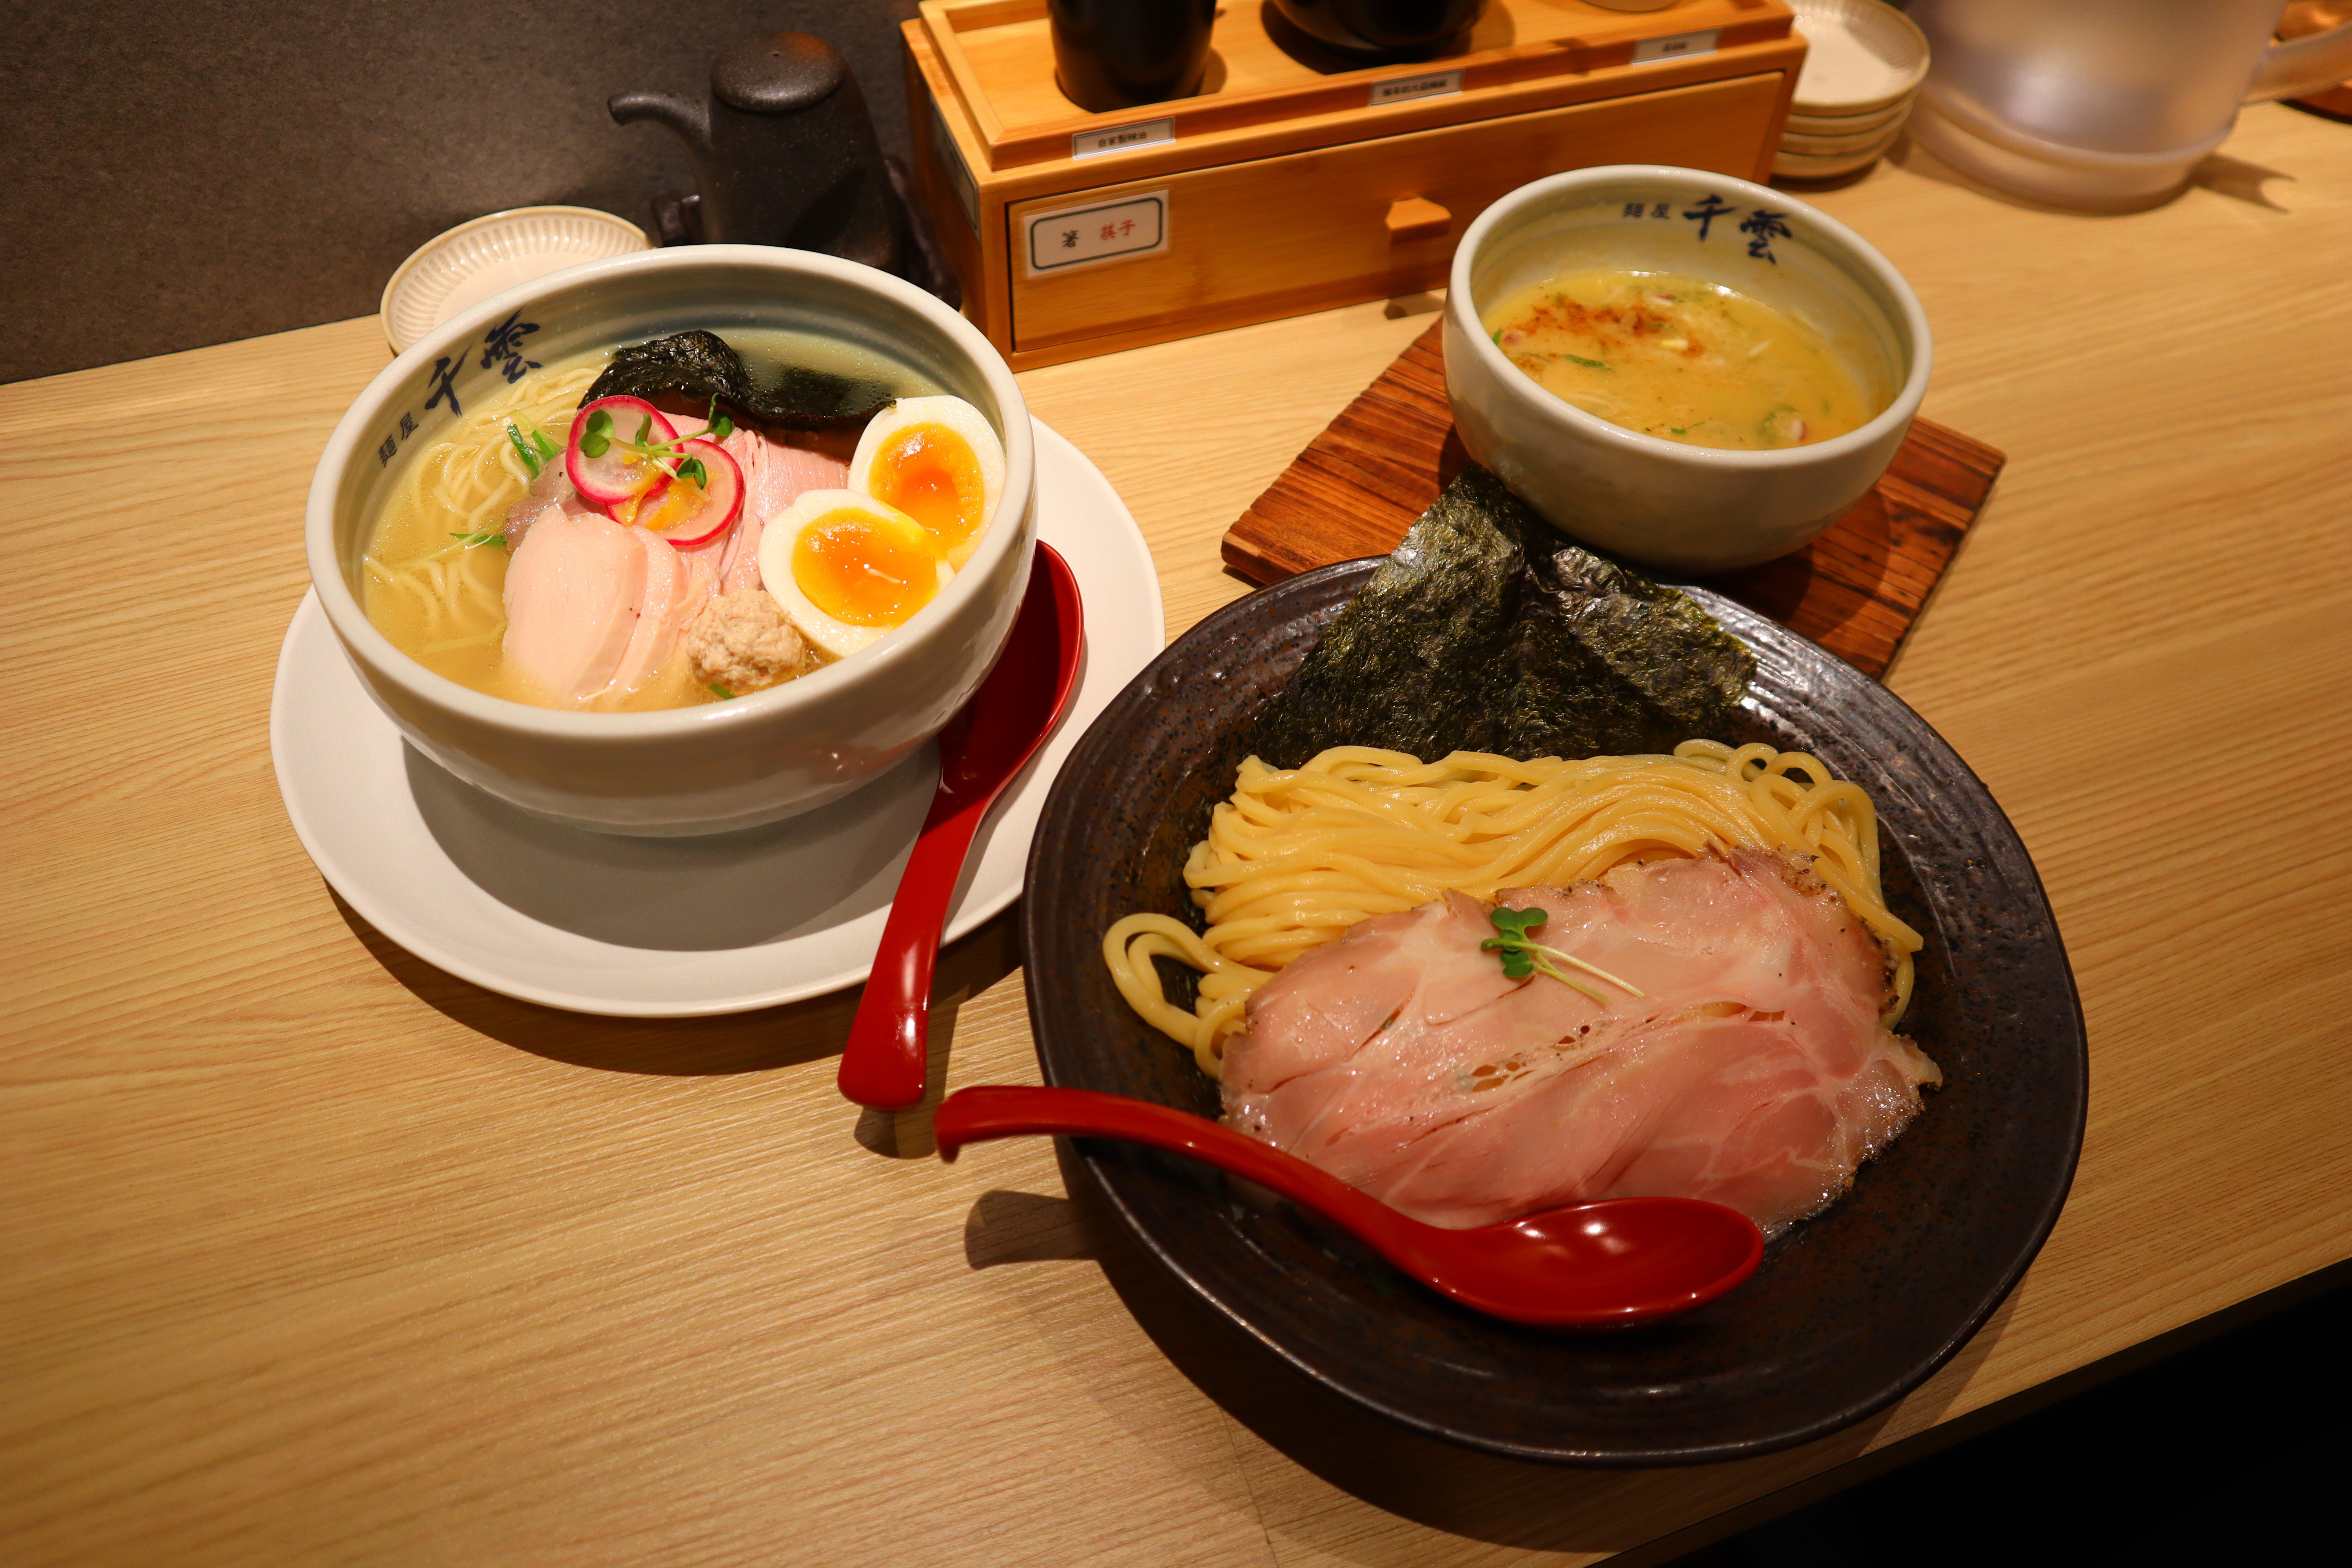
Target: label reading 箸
1106 231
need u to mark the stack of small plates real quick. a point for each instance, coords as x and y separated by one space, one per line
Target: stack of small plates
456 271
1863 68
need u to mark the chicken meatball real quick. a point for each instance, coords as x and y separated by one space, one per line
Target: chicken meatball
743 642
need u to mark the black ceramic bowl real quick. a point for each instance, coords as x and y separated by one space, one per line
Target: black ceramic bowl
1850 1311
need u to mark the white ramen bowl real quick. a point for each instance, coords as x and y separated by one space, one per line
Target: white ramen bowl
714 766
1692 509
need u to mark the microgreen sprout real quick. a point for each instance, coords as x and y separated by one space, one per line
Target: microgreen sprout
1523 957
596 439
481 537
537 453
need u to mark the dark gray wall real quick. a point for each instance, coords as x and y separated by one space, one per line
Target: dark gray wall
188 172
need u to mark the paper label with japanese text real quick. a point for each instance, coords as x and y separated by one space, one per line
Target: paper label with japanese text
1122 138
1105 231
1678 47
1404 88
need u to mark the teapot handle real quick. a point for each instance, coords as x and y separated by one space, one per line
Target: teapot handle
2305 65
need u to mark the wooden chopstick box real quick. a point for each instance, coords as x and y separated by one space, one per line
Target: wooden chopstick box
1287 186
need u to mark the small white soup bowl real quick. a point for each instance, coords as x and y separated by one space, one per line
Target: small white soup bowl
719 766
1690 509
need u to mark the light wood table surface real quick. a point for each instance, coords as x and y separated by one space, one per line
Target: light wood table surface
311 1254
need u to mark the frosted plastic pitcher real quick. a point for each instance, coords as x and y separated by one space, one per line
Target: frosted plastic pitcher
2104 102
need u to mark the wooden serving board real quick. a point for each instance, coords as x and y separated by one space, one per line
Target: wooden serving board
1262 72
1856 590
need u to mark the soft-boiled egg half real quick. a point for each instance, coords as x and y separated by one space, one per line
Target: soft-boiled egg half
847 568
936 460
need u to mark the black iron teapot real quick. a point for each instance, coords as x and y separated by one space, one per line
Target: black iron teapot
784 152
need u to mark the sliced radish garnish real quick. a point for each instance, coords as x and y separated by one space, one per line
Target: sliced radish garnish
692 511
622 467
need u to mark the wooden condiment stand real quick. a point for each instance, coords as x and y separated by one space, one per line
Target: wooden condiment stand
1295 183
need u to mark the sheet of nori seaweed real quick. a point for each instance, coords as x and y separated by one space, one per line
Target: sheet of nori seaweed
699 366
1486 631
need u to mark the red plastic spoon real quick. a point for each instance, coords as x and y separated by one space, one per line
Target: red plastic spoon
980 751
1606 1265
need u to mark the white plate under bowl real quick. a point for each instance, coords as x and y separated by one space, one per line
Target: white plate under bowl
674 927
453 272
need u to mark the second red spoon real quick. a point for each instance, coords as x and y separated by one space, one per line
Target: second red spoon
1606 1265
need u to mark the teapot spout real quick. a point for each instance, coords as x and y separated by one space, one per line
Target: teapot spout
690 121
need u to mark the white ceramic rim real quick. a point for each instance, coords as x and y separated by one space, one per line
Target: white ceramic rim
360 637
1877 138
417 257
1821 165
1899 411
1839 10
1798 165
1847 124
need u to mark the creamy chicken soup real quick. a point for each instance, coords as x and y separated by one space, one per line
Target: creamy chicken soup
1679 358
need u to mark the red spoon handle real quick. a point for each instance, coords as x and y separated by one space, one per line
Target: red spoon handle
975 1115
981 752
882 1064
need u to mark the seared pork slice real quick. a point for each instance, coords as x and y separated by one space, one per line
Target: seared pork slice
783 472
1752 1070
572 595
668 601
774 474
550 495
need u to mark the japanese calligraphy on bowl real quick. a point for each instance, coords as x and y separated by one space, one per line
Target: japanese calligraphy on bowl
502 352
1681 506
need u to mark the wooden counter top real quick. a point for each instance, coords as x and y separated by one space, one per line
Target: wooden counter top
316 1254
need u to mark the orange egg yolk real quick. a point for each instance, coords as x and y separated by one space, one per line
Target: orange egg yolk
929 472
861 574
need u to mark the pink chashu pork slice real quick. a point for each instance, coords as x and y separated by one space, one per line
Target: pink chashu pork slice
674 590
774 474
573 592
584 620
1754 1070
550 495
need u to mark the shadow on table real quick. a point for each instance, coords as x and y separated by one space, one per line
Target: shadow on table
2216 172
739 1042
1652 1515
